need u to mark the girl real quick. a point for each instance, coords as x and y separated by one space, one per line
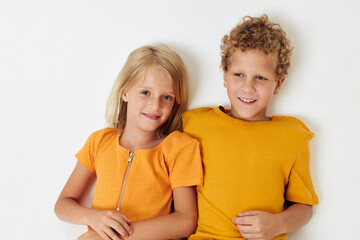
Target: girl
142 163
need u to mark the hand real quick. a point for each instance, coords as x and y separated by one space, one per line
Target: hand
258 225
110 225
90 235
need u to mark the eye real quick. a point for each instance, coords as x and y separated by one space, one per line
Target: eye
145 92
261 78
238 74
168 98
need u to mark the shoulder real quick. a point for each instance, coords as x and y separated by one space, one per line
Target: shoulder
197 113
103 135
200 121
178 140
293 126
179 148
104 132
178 137
200 110
94 145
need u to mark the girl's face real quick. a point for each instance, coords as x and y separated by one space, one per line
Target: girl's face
149 102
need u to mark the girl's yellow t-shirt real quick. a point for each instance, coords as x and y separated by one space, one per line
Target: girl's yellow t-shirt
152 174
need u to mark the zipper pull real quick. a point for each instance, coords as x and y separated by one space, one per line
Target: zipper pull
131 157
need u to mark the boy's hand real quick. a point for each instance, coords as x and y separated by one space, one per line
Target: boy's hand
109 225
258 225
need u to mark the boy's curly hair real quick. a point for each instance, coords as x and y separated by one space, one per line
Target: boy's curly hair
258 32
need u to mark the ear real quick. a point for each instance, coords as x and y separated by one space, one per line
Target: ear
278 85
124 97
225 79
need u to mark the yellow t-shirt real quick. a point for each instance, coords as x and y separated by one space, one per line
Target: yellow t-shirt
248 166
175 162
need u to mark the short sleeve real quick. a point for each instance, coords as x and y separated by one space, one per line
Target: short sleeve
86 154
184 161
300 188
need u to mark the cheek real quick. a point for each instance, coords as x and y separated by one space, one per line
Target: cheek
267 92
136 103
140 100
170 107
232 89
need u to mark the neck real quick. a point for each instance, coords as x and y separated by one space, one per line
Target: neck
133 139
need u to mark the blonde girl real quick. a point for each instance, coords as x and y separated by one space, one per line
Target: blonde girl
142 162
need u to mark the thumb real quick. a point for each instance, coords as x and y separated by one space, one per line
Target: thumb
248 213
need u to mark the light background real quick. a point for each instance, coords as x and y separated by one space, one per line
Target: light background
58 61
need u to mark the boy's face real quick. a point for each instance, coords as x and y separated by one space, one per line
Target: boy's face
251 82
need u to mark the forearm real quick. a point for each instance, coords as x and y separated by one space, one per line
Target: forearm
294 217
67 207
71 211
172 226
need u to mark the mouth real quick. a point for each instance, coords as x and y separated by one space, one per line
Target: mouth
151 116
247 101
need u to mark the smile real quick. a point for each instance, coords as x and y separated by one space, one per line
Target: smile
246 100
151 116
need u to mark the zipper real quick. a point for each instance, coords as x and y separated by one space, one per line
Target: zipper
124 182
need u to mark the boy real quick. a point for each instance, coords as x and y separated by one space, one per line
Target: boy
252 163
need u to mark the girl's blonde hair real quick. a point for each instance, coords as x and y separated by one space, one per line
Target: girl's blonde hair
134 70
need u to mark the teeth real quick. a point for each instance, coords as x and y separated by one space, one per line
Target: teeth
150 115
247 100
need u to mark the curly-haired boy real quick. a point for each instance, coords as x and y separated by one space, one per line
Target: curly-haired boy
253 163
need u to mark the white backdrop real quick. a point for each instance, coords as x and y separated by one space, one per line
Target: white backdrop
58 60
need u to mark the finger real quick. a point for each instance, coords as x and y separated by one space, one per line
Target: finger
125 218
111 234
246 229
248 213
242 221
121 228
120 217
98 235
247 220
124 222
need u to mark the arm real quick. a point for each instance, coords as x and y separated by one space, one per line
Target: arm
263 225
67 207
295 217
181 223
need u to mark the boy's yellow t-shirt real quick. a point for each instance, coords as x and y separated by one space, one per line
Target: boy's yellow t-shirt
248 166
175 162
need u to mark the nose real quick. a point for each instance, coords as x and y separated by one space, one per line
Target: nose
248 85
155 103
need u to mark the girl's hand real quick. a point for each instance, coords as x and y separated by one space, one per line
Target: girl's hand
110 225
90 235
258 225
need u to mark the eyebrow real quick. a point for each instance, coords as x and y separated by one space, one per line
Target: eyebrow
151 88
